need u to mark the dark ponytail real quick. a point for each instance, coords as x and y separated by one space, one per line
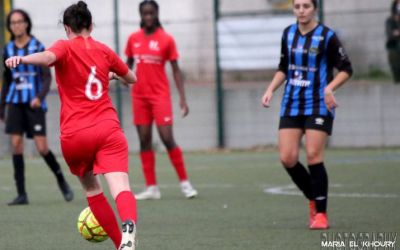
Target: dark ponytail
77 17
155 6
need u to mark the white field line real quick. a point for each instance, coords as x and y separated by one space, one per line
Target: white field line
292 190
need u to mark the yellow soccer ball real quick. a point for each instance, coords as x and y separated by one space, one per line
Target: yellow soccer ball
89 227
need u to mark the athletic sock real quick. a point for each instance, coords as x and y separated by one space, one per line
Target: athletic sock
19 174
126 206
319 183
149 168
104 214
176 157
51 161
302 179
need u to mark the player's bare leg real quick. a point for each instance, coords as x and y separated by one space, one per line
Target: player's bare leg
176 157
147 156
315 148
118 182
289 147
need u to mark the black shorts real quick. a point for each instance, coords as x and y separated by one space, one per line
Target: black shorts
21 118
316 122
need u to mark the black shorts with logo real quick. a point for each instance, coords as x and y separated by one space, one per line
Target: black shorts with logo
317 122
21 118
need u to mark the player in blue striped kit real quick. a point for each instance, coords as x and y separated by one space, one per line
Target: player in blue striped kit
23 96
309 53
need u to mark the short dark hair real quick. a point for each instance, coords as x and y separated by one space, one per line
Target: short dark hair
314 2
77 17
393 9
156 7
27 19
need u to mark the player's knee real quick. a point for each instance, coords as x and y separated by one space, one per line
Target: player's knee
145 145
43 151
17 149
169 144
92 189
289 160
314 156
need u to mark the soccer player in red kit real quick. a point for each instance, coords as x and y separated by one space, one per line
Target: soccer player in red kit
147 50
92 140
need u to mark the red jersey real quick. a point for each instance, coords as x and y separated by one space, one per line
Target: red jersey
150 53
82 66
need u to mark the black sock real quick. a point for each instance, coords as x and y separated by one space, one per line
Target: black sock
19 175
319 183
302 178
51 161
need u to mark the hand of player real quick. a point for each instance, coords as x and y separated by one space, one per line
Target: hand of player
266 99
184 108
35 103
330 100
13 61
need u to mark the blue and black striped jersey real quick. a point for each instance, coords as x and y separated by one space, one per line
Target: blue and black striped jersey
308 62
25 82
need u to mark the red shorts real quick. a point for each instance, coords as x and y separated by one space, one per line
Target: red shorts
147 110
102 148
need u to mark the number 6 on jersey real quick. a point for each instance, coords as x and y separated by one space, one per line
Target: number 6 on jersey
94 88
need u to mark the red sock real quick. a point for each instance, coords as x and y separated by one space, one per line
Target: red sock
104 214
126 206
176 157
149 167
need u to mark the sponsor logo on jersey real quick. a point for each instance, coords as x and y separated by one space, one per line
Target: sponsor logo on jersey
318 38
314 50
302 68
33 47
298 80
153 45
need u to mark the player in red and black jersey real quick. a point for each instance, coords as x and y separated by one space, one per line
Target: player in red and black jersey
147 50
92 140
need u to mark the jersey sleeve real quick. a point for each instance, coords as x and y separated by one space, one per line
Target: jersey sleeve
116 64
337 56
59 48
172 51
283 63
7 78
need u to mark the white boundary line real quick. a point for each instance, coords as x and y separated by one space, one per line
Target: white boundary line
292 190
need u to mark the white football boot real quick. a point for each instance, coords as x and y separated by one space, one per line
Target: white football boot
128 241
188 190
149 193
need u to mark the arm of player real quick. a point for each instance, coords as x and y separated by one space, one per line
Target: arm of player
338 81
276 82
128 78
44 58
337 56
180 86
46 78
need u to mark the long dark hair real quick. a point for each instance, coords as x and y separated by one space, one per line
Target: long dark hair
314 2
27 19
155 6
77 17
